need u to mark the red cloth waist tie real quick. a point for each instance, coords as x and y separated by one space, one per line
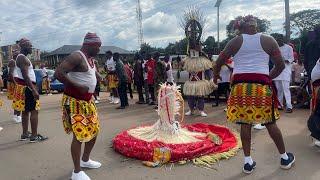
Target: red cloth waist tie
314 99
259 79
73 92
316 83
22 82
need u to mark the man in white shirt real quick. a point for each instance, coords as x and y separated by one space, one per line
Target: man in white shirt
282 82
112 78
224 82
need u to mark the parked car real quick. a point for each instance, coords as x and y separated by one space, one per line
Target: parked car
54 83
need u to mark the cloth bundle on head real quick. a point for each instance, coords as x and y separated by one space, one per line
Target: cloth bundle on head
23 42
244 20
91 39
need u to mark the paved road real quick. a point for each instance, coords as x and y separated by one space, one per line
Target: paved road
51 160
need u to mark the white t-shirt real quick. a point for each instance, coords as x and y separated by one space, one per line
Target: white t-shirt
145 74
287 54
169 73
225 73
44 72
111 65
315 74
297 69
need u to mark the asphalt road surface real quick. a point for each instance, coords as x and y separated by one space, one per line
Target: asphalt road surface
51 160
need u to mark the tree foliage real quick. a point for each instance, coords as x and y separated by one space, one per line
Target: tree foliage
209 44
263 26
148 49
305 20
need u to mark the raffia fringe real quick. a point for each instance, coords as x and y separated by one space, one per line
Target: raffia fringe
197 64
198 88
208 161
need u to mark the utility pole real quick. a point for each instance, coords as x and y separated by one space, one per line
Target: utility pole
287 23
217 5
139 22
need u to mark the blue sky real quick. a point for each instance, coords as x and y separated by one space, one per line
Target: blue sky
50 24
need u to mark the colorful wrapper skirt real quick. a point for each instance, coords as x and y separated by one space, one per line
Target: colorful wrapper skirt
251 103
10 90
23 99
315 91
112 81
45 84
80 117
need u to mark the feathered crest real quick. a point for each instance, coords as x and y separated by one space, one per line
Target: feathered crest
192 13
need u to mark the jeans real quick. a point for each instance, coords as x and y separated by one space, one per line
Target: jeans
195 101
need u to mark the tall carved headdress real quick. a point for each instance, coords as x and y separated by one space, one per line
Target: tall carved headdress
193 22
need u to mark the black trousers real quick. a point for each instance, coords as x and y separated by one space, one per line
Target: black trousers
130 90
122 90
97 89
140 92
151 92
223 88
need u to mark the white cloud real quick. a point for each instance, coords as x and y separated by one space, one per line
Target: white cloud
52 23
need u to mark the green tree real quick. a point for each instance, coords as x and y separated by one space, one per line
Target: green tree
179 47
305 20
146 47
209 44
263 26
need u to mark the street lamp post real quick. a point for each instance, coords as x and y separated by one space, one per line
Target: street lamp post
217 5
287 22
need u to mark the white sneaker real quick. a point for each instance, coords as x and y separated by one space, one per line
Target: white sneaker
317 143
79 176
96 102
50 94
111 98
203 114
90 164
259 127
19 119
225 109
189 113
116 101
16 119
1 128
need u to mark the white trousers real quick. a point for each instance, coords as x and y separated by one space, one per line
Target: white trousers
283 89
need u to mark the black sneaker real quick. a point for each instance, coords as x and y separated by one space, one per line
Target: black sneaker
121 107
247 168
286 164
152 103
38 138
289 110
140 102
25 137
